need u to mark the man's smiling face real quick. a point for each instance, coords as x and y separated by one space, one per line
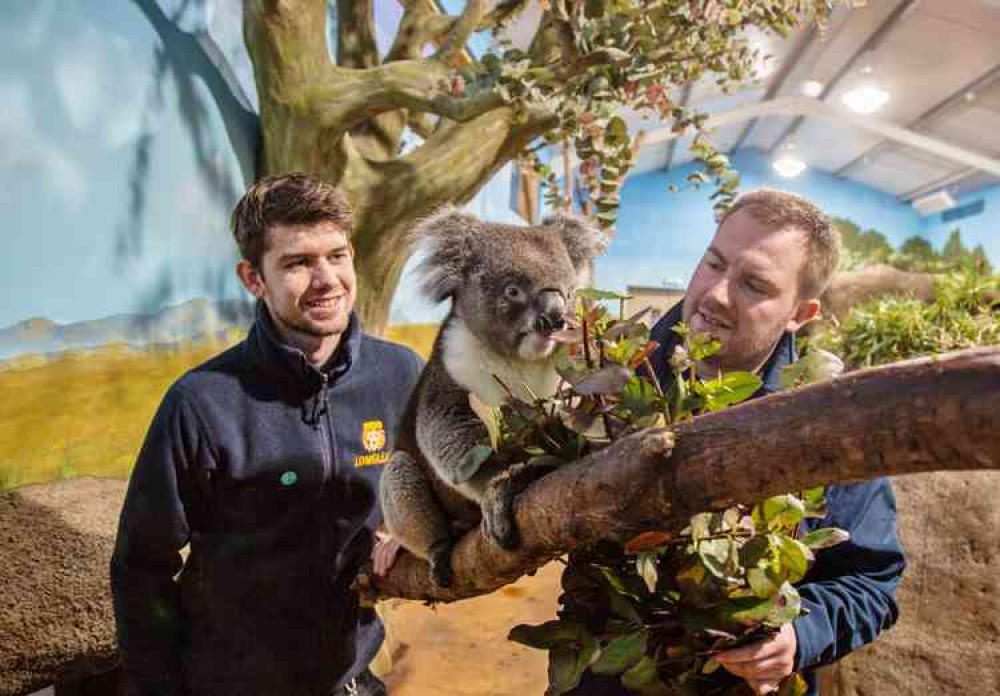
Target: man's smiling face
745 291
307 281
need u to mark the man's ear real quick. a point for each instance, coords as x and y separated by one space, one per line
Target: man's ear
805 312
251 278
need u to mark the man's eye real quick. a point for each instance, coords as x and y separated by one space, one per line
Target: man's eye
296 263
755 287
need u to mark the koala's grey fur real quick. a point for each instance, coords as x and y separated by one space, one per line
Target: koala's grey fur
509 287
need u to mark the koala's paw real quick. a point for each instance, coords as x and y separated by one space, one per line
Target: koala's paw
498 514
440 560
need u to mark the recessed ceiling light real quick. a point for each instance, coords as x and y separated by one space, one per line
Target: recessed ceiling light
868 96
788 163
812 88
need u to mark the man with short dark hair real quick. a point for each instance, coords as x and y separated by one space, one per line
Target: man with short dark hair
758 282
265 460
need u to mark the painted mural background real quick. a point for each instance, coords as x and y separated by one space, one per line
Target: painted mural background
129 132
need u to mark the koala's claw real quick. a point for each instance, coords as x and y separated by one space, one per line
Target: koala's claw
498 515
440 560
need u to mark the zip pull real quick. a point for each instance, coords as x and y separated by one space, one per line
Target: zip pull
319 404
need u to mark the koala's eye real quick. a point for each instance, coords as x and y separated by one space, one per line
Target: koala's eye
512 292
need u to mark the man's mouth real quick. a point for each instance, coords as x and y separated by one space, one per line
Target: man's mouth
322 303
712 322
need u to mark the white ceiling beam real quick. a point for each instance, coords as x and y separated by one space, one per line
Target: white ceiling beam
951 101
813 108
871 43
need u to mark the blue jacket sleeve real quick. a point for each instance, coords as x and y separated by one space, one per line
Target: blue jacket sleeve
152 529
850 590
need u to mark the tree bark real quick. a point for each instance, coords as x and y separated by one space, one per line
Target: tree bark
931 414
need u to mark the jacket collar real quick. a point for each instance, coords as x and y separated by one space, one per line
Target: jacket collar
273 355
770 372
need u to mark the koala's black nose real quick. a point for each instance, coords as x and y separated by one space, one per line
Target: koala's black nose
551 307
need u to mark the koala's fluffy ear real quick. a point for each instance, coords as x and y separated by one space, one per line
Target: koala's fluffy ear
584 240
447 238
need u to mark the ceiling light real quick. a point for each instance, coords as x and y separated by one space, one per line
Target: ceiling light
812 88
788 164
867 97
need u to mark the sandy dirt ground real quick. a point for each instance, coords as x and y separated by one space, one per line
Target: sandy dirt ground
462 648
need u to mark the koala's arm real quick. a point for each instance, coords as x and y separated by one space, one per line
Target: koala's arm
448 429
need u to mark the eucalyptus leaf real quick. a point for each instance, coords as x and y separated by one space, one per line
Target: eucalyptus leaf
825 538
621 653
641 674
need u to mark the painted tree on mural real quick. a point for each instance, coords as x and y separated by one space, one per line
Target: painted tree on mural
343 117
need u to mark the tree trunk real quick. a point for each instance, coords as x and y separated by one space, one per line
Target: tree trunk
923 415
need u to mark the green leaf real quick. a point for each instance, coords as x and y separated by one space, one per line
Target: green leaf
621 653
607 380
641 674
787 606
782 511
616 132
645 565
548 635
825 538
566 667
794 685
794 557
761 583
731 388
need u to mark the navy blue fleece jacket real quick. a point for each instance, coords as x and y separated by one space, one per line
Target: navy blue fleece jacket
268 468
850 591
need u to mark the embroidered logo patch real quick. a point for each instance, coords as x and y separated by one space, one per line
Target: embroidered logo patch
373 435
373 440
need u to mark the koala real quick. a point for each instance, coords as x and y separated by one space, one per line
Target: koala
510 288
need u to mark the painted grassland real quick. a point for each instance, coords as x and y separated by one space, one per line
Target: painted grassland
86 412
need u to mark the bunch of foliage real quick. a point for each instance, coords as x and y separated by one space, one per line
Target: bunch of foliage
590 58
656 610
885 330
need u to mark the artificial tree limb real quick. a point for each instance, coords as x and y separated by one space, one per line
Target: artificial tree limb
930 414
350 97
460 33
356 47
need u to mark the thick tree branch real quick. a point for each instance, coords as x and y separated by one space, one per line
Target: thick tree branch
460 33
419 85
924 415
421 24
356 47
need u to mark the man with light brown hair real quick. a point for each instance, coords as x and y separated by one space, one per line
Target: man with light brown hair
265 460
758 282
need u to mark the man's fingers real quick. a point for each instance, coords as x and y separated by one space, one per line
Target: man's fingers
764 686
749 653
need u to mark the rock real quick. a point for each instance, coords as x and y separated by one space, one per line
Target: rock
56 622
850 289
946 640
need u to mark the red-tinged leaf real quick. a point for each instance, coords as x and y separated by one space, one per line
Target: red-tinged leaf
607 380
644 352
648 540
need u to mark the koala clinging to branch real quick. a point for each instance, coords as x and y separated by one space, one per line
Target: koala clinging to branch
510 289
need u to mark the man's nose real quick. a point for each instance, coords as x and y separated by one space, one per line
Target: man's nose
324 274
718 292
551 308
